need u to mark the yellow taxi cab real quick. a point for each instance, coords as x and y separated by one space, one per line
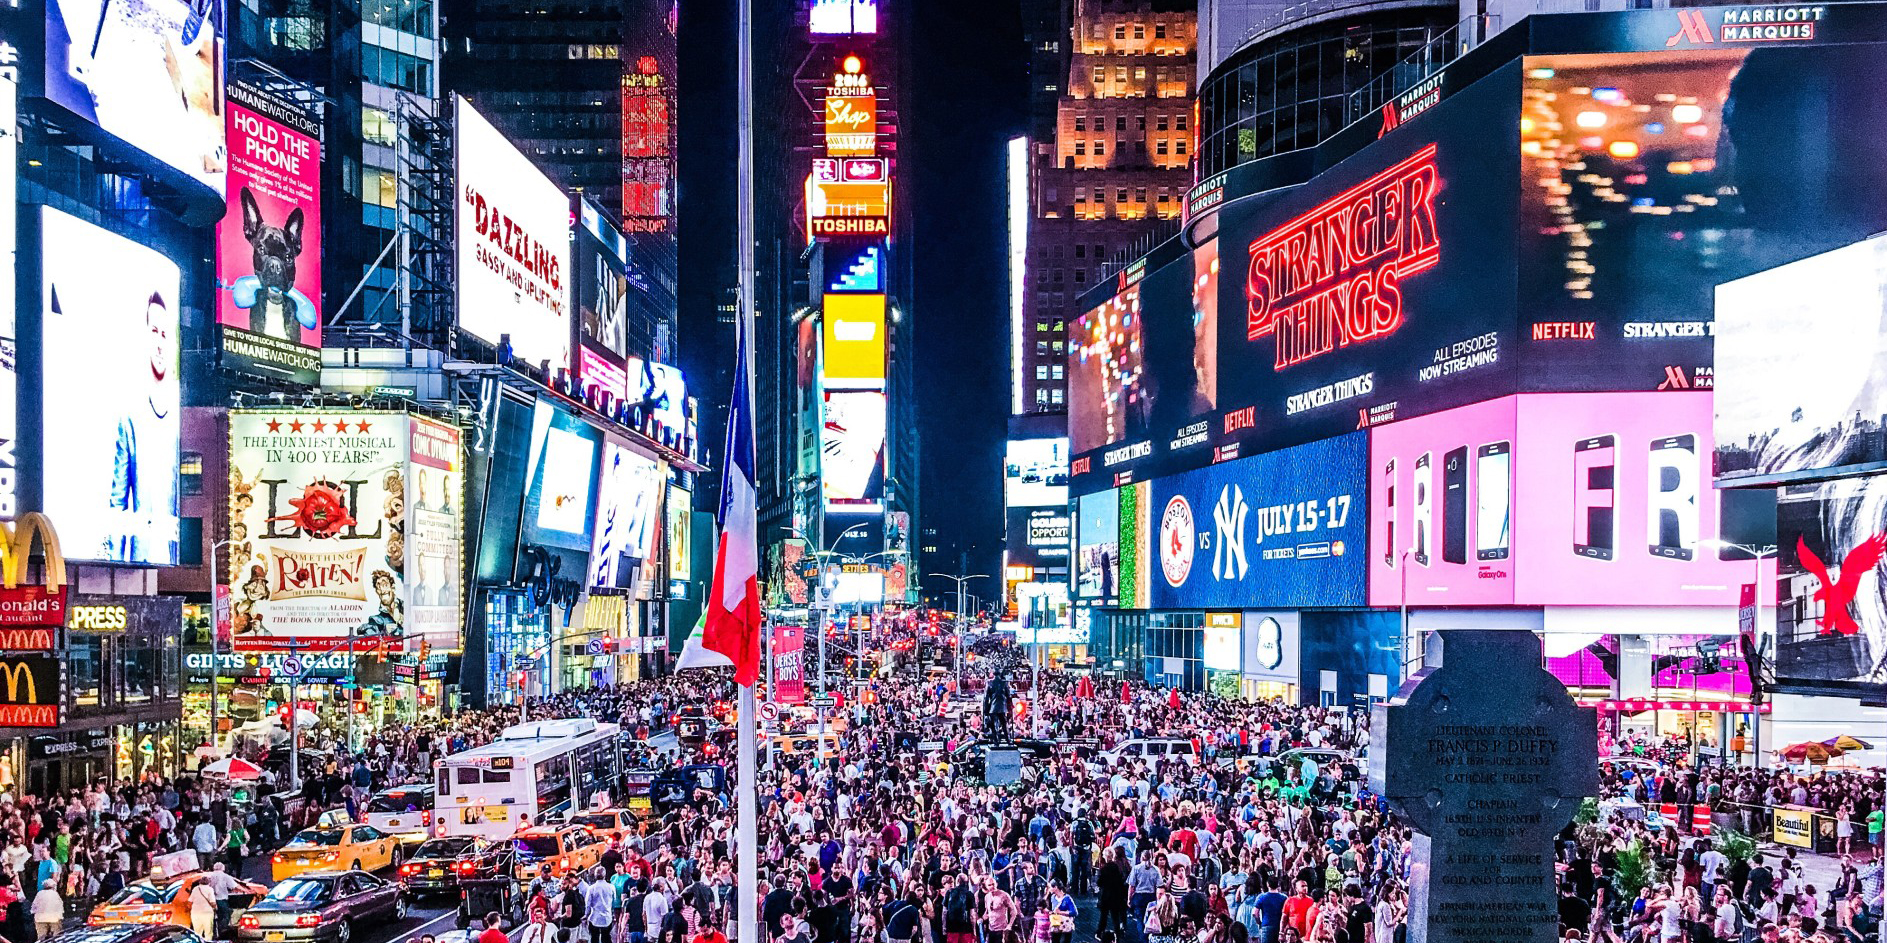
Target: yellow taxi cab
609 824
336 848
556 850
164 901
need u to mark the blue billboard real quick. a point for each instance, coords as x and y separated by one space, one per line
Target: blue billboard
1286 529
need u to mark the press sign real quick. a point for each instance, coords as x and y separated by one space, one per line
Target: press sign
98 618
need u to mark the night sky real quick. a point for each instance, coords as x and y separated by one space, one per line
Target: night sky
968 98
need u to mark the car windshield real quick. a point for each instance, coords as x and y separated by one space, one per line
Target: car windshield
301 891
443 848
138 894
320 836
397 802
601 820
537 846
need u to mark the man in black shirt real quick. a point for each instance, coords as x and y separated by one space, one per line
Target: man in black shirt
1574 914
1358 918
570 908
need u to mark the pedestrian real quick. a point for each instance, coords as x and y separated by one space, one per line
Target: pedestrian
49 910
493 932
538 930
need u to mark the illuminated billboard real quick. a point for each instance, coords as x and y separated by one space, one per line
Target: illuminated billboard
602 293
1039 537
848 198
560 478
1097 547
628 502
513 261
344 522
110 430
268 244
853 446
1537 499
1035 473
851 124
1831 626
861 271
149 73
843 17
1104 375
853 332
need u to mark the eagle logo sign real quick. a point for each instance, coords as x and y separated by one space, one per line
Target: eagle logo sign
1837 595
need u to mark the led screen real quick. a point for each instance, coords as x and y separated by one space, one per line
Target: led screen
680 534
1038 536
560 474
1035 473
149 72
602 303
1283 529
1108 403
268 245
1224 648
1536 499
1097 546
853 444
433 533
843 17
1801 382
109 450
1831 629
853 332
513 246
629 494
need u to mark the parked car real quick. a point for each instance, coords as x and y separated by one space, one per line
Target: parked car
324 905
165 901
439 864
1151 749
128 933
336 847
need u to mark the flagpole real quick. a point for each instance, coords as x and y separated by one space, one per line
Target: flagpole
747 832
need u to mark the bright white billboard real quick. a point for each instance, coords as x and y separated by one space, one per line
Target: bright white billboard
1035 473
513 246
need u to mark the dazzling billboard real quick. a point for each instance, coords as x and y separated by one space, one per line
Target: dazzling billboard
853 332
1105 369
843 17
560 478
1536 499
853 446
1831 627
149 73
628 502
1283 529
1038 537
1035 473
108 450
268 245
1802 374
328 542
513 260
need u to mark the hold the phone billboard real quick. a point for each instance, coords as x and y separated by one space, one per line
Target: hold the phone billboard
268 245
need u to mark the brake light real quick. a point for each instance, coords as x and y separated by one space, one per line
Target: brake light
466 867
249 923
331 856
409 869
425 818
276 858
95 921
308 920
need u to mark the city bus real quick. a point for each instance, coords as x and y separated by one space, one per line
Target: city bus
535 772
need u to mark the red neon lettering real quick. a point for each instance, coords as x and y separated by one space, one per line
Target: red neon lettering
1332 277
1237 419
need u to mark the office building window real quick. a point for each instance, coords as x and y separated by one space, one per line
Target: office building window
190 472
1140 73
1055 371
1159 147
377 126
1140 31
1081 148
1054 396
1120 32
1140 194
1120 194
1041 372
1081 251
1100 148
1159 31
1081 195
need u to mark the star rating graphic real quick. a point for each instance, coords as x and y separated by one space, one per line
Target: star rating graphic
320 425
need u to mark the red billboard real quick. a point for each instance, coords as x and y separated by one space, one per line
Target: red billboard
789 664
268 246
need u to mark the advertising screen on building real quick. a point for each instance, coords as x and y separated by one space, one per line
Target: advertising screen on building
33 689
602 303
848 199
649 69
149 73
513 261
1802 375
1831 627
108 455
859 270
843 17
1035 473
1535 499
1043 615
339 521
1038 537
1284 529
1105 374
1097 547
560 478
853 448
853 332
268 245
851 125
628 502
680 534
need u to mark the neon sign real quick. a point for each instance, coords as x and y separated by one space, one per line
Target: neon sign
851 126
1332 276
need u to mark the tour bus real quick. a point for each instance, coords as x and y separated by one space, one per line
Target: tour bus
534 773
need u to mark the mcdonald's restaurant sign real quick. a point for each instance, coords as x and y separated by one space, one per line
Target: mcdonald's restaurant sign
31 689
30 613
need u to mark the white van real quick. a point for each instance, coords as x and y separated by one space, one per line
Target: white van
1151 749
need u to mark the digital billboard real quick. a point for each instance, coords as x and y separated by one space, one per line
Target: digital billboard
679 534
1097 547
1536 499
853 332
108 449
324 529
1038 537
851 123
513 259
1043 615
649 69
628 504
1035 473
560 478
602 256
1105 373
1831 627
149 73
268 244
852 444
1802 374
848 199
1284 529
843 17
860 270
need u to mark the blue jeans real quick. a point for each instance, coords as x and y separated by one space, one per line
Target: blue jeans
1138 902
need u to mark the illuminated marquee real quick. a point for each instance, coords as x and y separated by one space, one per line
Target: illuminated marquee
1332 277
848 197
851 112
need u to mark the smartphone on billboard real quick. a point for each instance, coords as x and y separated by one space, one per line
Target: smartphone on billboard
1672 498
1454 505
1424 508
1493 508
1595 466
1389 512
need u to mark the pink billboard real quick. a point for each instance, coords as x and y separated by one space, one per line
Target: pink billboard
1551 499
268 245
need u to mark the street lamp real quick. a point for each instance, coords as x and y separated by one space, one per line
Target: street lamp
216 634
1757 555
958 659
819 623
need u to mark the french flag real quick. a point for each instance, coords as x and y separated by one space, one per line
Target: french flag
733 611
